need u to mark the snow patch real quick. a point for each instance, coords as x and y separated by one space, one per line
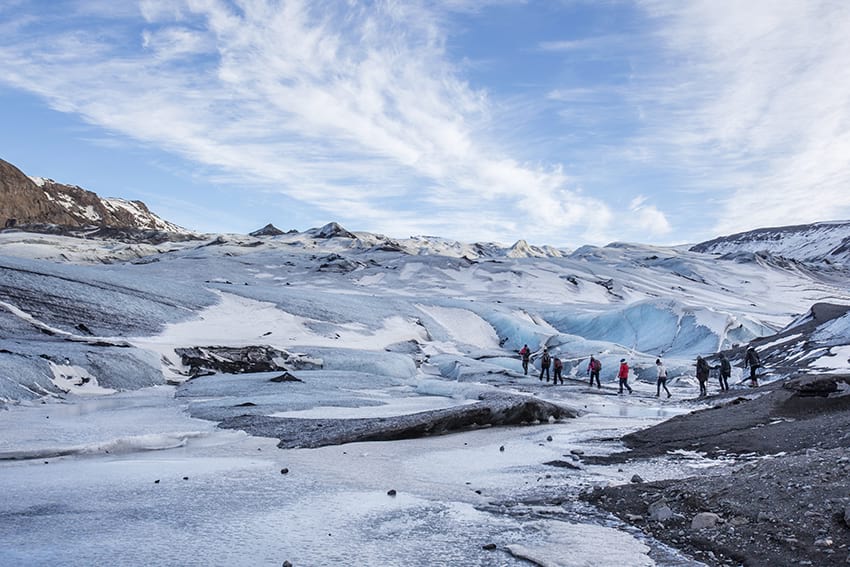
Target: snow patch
562 544
463 325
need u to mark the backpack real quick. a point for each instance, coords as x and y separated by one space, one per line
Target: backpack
558 363
597 365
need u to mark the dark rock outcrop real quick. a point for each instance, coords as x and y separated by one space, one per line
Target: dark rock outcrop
492 409
285 377
339 264
240 360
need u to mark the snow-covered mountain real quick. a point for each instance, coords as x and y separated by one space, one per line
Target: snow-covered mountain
39 201
819 243
332 236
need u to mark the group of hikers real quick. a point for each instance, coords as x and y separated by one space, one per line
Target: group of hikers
545 362
594 366
751 361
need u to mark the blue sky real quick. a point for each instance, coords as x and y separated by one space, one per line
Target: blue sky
559 122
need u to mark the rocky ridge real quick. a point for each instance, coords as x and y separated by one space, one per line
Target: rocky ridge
26 201
820 243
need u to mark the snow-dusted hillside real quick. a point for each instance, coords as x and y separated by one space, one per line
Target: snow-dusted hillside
819 243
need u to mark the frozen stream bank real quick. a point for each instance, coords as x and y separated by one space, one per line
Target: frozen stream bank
140 482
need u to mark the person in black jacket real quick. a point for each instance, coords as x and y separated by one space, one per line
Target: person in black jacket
662 378
545 361
752 360
725 372
703 370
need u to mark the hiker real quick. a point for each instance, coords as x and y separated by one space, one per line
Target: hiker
662 378
593 368
752 360
725 372
557 365
703 370
623 375
525 353
545 360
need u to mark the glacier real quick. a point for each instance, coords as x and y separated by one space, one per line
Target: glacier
114 448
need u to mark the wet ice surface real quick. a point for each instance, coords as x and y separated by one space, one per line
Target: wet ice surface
142 483
385 407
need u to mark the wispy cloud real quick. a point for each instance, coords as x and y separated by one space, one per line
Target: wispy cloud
595 45
327 102
755 104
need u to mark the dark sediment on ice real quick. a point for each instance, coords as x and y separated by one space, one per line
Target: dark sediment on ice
787 504
793 415
492 410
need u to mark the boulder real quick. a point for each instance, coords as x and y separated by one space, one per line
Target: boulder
704 520
659 511
285 377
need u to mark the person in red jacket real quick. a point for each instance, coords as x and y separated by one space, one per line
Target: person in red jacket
525 353
623 375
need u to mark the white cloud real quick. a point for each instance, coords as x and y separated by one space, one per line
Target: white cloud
325 101
648 218
756 107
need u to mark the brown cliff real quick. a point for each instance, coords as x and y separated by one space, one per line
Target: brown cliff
25 201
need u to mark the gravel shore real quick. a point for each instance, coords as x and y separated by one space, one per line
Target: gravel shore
784 501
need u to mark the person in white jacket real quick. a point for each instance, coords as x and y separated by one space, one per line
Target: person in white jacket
662 378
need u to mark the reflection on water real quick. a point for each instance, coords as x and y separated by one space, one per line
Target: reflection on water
390 407
122 401
635 411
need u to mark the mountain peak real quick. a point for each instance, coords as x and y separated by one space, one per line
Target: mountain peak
332 230
522 249
268 230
